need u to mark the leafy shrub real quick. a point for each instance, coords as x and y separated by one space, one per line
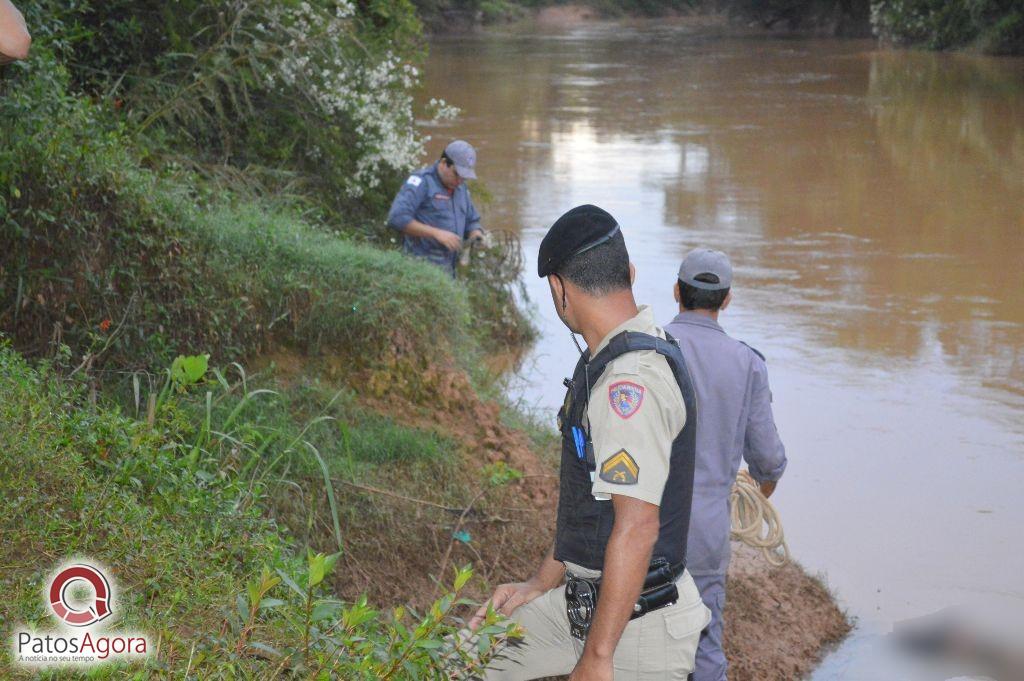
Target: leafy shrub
97 251
995 26
495 287
311 95
325 638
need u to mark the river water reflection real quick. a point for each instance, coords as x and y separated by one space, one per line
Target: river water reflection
873 205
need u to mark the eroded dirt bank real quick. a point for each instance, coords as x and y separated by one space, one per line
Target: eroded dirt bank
779 621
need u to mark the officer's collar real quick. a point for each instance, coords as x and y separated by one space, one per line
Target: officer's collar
697 319
643 322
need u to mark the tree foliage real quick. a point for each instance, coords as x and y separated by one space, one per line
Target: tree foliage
995 26
311 97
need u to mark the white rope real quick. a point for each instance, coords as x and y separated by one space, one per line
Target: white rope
755 522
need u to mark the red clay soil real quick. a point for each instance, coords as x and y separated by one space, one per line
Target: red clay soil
778 621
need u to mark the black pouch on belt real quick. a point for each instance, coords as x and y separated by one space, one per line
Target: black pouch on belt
659 591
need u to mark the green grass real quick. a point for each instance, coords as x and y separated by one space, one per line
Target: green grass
324 293
83 482
187 509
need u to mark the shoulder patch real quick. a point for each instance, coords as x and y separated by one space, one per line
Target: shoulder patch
414 180
620 469
756 352
626 398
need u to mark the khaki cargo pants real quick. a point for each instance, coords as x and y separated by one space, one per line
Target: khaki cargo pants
658 646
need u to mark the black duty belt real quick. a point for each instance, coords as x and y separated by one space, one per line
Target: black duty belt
659 591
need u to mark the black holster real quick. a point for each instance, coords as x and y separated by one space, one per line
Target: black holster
659 591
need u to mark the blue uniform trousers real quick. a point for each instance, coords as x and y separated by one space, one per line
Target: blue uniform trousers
711 664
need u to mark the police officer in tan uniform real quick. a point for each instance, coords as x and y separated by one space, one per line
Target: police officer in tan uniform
612 599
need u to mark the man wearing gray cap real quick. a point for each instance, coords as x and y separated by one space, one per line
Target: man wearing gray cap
433 209
734 421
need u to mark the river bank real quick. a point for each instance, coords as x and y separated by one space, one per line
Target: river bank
985 26
346 407
821 21
780 622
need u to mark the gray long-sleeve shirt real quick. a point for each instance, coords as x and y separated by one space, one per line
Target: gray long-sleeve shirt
734 422
423 197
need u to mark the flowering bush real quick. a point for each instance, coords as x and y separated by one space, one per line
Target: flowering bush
314 57
310 98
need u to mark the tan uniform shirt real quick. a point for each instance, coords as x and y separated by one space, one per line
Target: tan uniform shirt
636 410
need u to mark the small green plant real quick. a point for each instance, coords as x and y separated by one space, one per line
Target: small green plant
500 473
302 632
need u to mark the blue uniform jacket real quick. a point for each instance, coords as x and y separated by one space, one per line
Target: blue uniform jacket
424 198
734 422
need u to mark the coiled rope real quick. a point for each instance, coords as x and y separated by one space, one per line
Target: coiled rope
755 522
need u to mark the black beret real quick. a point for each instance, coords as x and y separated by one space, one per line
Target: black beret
576 230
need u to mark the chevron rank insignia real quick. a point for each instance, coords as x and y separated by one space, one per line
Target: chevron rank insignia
620 469
626 398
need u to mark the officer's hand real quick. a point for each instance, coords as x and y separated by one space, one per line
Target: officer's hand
767 487
450 240
590 668
506 599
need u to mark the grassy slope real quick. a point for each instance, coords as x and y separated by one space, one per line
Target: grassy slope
81 482
134 266
182 535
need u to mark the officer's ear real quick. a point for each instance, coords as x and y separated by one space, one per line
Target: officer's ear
725 303
557 291
632 274
675 292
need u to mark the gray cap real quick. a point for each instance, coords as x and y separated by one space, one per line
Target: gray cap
712 267
463 155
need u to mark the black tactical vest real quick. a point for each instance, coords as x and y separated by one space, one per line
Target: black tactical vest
584 523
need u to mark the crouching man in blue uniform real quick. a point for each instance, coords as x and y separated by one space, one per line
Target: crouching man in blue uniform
433 209
612 599
731 382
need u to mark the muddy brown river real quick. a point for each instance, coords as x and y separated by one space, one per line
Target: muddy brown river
873 204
